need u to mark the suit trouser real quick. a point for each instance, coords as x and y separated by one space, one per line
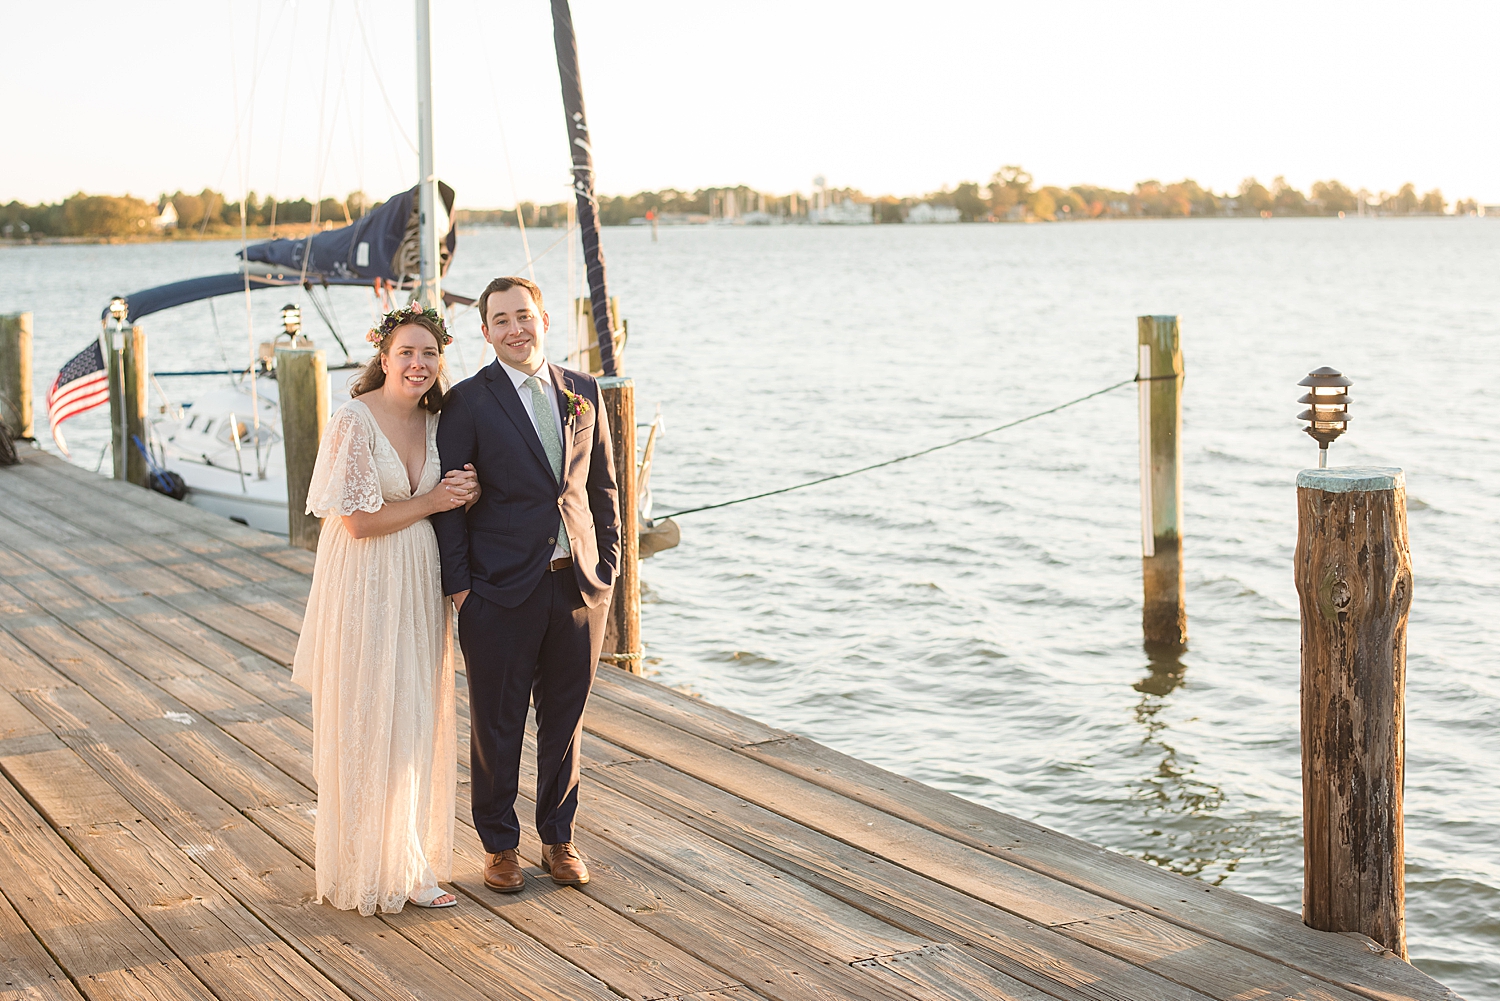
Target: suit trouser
543 652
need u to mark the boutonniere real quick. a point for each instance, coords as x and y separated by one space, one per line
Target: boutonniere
574 406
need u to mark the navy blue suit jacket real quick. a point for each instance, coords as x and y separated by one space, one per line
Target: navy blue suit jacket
501 546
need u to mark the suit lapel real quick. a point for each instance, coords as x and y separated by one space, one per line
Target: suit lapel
510 401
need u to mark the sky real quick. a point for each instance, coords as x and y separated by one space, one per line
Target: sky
310 97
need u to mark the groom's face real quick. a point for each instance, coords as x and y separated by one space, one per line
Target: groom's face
515 328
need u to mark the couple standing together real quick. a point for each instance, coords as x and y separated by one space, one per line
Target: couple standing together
501 495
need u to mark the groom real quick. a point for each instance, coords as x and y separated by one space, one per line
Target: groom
530 568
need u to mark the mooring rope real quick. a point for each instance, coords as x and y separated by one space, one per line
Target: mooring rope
925 451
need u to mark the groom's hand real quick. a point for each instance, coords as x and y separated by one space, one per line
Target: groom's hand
458 600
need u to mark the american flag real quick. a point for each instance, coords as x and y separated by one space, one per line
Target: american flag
81 385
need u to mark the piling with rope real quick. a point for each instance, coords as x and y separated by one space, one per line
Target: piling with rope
1164 611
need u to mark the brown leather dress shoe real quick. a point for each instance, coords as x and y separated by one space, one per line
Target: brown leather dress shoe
502 872
564 864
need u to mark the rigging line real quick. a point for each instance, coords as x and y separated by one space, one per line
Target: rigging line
331 324
240 156
370 56
322 107
913 455
571 230
286 99
256 68
505 144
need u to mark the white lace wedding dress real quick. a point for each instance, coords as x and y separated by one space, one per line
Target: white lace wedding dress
376 653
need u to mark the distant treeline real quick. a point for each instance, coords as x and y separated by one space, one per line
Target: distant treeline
1010 196
177 214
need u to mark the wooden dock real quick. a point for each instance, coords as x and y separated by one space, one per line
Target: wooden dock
156 828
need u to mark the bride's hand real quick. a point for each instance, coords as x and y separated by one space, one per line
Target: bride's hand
461 486
458 488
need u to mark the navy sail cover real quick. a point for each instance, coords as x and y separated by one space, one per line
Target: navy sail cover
379 246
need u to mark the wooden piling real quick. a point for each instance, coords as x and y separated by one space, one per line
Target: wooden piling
128 381
622 631
302 385
1354 581
15 375
1164 616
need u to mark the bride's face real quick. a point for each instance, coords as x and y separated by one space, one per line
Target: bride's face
411 362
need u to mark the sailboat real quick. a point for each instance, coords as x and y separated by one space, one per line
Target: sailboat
225 446
223 450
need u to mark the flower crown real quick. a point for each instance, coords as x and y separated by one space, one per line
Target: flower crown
406 314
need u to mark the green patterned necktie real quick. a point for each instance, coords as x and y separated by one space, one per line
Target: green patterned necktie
546 426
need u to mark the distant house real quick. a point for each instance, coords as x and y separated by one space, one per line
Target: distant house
926 212
166 216
844 213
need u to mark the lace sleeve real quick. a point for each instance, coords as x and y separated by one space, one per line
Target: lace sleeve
345 479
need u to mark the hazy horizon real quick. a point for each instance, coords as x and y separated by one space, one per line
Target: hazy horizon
677 96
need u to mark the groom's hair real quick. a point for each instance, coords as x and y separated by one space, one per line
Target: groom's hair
505 285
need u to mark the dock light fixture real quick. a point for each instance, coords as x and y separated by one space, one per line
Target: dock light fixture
1328 408
291 319
117 309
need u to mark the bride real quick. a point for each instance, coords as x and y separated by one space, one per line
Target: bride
375 649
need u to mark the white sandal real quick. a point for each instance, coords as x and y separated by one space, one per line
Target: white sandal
435 900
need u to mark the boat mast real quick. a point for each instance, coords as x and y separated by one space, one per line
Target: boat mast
582 156
430 293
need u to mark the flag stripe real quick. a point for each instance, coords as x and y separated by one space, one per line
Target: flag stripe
78 407
83 387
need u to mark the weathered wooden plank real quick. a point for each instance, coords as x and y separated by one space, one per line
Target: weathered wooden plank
1212 912
194 742
99 515
207 523
245 625
1026 952
946 973
824 924
1019 890
467 944
27 972
104 948
628 959
677 709
217 939
1169 951
200 644
364 958
247 578
774 963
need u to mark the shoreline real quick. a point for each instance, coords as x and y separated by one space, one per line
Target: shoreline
265 234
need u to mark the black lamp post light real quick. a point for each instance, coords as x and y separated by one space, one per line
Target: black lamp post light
1328 408
291 319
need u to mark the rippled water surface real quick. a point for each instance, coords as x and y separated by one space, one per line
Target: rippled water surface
972 618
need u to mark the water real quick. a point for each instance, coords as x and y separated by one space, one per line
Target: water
972 618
